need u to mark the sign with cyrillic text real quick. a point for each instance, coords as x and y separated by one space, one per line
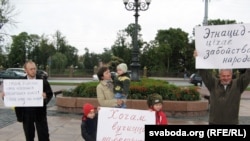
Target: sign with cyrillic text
223 46
117 124
23 93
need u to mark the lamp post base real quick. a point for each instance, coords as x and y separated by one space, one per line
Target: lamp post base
135 74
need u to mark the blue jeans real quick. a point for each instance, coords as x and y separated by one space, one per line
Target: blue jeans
122 97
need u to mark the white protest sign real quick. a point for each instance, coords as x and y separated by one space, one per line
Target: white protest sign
23 92
123 124
223 46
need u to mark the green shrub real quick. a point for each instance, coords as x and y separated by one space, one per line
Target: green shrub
90 90
69 92
189 94
141 90
82 90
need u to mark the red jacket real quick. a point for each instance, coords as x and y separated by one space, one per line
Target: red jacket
161 118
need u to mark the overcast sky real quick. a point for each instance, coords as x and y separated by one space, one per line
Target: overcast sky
95 23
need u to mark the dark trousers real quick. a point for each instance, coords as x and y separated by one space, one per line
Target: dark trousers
29 124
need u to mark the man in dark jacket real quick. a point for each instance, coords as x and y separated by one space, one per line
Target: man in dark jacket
225 94
35 116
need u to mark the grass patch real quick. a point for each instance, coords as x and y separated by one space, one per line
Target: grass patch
248 89
64 83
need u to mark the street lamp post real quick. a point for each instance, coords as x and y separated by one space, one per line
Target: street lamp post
205 22
136 5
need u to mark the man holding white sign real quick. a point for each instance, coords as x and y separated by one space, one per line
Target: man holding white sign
29 112
223 47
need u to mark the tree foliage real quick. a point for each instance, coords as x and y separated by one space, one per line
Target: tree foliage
58 62
18 54
121 47
114 62
172 44
171 51
220 22
6 16
44 52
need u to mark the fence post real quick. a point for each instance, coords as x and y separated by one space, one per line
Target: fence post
71 71
48 70
145 71
95 69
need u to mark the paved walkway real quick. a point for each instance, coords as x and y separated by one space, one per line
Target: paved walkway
66 127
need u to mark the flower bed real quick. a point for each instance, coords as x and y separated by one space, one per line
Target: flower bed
172 108
177 101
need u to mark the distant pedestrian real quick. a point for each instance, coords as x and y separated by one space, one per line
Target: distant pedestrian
185 74
89 122
155 103
122 84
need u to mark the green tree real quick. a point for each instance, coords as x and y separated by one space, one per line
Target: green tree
174 41
114 62
6 16
105 57
130 29
154 57
60 42
69 51
32 43
130 32
59 62
189 61
149 58
43 52
71 55
220 22
18 54
29 47
120 48
3 58
90 60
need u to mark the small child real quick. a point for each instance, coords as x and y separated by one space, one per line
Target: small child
89 123
155 103
121 84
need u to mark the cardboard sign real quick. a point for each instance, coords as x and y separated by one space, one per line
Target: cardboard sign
223 46
123 124
23 92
